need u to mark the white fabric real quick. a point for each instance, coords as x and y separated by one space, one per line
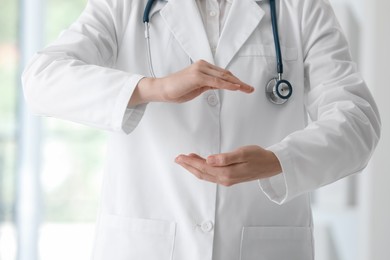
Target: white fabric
151 207
214 14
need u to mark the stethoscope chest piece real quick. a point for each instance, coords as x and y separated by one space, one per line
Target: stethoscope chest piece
278 91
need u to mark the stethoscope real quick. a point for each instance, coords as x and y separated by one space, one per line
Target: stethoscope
278 90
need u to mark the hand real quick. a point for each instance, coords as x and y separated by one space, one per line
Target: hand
187 84
247 163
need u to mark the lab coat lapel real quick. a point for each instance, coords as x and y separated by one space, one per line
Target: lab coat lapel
244 17
156 7
185 22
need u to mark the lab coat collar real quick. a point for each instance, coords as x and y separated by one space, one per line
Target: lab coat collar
187 28
185 23
244 17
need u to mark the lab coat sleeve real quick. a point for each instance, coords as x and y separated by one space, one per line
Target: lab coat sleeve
74 78
345 123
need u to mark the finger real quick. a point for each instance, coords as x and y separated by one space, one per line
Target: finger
200 175
193 160
225 159
226 176
194 155
222 74
217 83
227 76
198 163
222 83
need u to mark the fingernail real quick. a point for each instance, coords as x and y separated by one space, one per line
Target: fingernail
250 88
178 159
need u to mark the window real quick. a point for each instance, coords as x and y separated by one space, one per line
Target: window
71 156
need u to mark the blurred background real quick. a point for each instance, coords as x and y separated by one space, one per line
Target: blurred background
50 170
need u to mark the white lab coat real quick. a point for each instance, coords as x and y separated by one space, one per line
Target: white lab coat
151 207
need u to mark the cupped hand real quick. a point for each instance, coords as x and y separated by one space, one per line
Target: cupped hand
246 163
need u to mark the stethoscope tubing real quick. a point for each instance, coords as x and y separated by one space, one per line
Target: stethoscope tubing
276 37
147 10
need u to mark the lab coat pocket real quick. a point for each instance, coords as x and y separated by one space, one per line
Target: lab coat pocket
276 243
267 53
123 238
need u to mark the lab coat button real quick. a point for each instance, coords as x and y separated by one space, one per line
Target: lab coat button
212 100
207 226
213 13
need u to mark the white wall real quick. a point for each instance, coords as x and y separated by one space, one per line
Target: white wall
375 239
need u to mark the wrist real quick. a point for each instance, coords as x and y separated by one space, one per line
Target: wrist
144 92
275 166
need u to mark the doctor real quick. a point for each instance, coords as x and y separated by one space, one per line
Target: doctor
202 165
